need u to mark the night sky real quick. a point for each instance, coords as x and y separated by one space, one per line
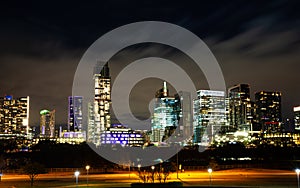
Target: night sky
255 42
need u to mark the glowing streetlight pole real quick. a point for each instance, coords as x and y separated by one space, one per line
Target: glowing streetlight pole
153 167
87 167
209 171
76 176
177 162
297 172
139 167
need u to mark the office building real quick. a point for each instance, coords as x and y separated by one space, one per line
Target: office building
47 124
91 136
99 117
268 111
164 121
75 113
14 116
209 115
121 135
297 118
184 114
240 109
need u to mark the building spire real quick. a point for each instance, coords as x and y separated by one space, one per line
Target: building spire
165 89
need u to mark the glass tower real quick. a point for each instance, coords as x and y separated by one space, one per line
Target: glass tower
75 113
268 111
209 115
240 108
164 121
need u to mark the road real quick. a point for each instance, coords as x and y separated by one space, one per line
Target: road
239 177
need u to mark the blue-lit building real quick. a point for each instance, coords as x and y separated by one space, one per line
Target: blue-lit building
121 135
165 117
75 113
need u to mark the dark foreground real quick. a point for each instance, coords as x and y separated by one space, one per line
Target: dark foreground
226 178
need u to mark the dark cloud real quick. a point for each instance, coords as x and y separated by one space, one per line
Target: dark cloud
42 42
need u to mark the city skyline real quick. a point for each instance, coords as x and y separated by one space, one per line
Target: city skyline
39 52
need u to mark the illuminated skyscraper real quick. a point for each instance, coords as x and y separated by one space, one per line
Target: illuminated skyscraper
91 138
297 118
14 116
75 113
47 123
209 115
183 110
164 120
102 102
240 109
268 111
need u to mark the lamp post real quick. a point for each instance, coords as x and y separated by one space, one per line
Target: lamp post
87 167
139 168
152 167
177 161
297 172
76 176
209 170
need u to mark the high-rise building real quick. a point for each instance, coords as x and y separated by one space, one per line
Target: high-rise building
240 109
47 124
164 121
268 111
183 110
75 113
14 116
91 136
209 115
297 118
102 102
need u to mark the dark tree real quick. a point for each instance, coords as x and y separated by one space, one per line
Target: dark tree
33 170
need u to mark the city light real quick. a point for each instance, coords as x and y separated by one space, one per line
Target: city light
209 170
297 172
76 176
87 167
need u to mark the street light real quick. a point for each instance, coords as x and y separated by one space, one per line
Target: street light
153 167
87 167
209 170
139 167
297 172
76 176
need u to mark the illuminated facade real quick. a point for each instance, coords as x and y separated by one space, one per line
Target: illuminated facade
75 113
47 123
297 118
209 115
268 111
14 116
101 114
119 135
91 138
164 121
240 108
